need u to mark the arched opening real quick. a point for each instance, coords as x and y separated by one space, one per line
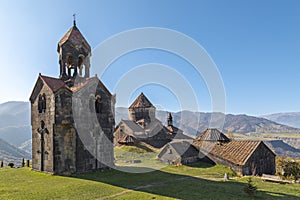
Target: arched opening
44 102
70 65
81 66
40 104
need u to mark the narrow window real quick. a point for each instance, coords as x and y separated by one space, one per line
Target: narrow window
98 104
40 104
44 102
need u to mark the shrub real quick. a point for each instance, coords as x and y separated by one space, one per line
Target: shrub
11 164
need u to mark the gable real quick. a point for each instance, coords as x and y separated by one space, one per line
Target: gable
36 90
53 84
90 85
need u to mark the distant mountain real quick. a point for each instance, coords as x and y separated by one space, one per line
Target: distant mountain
289 118
15 122
16 135
15 126
14 113
26 146
193 123
283 149
10 153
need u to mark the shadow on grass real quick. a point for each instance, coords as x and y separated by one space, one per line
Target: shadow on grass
177 186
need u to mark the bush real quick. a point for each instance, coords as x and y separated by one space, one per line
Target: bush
290 169
11 164
250 188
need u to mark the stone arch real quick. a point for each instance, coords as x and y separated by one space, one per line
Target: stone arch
69 64
81 66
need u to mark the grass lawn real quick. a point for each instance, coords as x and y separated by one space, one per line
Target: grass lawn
169 183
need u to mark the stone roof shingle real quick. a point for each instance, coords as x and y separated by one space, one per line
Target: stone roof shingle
141 102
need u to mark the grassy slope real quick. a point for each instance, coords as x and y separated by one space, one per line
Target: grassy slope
26 184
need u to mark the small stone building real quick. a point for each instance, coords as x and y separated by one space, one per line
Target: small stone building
181 152
244 157
72 116
144 127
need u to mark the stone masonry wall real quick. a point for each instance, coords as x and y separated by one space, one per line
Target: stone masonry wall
48 118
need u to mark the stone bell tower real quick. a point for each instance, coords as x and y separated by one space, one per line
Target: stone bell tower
72 116
74 55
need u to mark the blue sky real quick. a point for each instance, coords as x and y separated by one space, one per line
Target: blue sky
254 44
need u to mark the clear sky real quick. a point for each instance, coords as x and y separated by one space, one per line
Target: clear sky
255 45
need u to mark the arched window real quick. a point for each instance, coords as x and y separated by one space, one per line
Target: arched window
40 104
81 66
69 65
44 102
98 104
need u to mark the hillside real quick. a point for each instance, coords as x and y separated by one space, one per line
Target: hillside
198 181
15 126
193 123
289 119
14 113
11 153
283 149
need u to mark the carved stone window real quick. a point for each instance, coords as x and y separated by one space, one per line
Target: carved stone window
44 102
40 104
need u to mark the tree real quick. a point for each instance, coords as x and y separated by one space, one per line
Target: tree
2 163
23 162
292 168
11 164
250 188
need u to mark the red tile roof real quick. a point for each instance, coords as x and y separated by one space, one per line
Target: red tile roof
54 83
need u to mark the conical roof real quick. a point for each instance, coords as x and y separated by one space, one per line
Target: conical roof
75 37
141 102
213 135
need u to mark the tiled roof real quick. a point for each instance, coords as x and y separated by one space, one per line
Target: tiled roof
74 34
236 152
134 128
78 86
141 102
54 83
183 148
212 134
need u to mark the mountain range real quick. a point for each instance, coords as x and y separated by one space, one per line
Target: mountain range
289 118
15 129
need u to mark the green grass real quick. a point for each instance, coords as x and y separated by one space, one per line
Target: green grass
126 155
170 183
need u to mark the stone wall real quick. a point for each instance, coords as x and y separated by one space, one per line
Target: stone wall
94 130
48 118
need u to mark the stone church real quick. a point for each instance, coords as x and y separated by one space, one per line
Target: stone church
144 127
72 116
